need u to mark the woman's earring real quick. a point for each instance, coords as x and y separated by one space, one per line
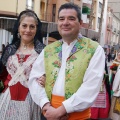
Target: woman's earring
18 35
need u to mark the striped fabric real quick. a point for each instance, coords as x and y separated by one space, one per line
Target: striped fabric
100 101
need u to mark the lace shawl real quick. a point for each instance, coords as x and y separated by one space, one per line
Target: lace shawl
12 48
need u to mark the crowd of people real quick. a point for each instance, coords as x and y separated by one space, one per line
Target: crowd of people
65 80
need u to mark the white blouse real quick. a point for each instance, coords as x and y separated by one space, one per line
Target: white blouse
116 83
85 95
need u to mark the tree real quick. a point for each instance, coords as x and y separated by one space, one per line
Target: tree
101 20
91 17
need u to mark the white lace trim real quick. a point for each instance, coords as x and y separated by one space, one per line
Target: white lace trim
20 73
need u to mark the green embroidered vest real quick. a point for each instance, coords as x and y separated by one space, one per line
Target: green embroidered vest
76 64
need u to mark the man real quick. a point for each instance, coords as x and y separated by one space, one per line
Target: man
74 68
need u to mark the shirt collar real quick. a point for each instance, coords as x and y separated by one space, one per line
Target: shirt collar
71 44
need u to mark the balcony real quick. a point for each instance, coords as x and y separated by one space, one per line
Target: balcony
109 27
115 30
118 31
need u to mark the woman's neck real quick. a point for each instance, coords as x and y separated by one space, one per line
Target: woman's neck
26 46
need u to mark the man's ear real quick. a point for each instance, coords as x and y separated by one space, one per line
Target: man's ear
81 22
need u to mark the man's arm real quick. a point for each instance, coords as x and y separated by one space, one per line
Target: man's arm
38 92
88 91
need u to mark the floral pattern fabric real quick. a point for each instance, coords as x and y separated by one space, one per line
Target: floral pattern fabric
76 64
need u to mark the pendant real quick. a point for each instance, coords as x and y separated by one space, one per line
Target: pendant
21 59
25 47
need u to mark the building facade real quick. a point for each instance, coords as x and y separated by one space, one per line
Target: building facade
47 11
115 5
112 41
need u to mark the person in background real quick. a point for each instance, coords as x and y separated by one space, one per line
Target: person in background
113 69
109 57
74 68
100 108
7 43
113 55
15 66
115 106
3 47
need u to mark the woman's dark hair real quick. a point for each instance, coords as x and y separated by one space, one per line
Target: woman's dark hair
3 47
12 48
71 6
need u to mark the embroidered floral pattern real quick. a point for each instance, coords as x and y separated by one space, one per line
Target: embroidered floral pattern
57 64
83 48
27 71
74 49
85 51
72 58
58 50
48 53
68 95
11 66
55 73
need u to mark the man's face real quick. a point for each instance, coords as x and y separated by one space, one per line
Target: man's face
68 23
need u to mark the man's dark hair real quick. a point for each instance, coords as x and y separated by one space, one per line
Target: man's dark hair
71 6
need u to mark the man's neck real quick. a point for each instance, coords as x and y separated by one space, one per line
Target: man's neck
68 41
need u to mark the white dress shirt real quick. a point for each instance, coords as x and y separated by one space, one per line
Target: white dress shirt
85 95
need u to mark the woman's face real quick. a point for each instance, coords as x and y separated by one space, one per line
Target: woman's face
27 29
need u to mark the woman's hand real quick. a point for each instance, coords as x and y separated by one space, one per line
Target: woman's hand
41 81
114 71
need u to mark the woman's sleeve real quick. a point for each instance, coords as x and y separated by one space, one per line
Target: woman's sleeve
116 81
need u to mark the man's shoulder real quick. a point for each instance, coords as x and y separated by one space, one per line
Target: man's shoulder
56 43
89 41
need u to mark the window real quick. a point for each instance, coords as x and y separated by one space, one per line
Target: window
98 25
29 4
53 12
100 7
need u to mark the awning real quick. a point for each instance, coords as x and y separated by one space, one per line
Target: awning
7 23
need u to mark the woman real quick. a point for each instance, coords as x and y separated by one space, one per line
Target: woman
113 69
115 106
15 66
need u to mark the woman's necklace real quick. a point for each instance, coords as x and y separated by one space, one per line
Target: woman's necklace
22 52
25 46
